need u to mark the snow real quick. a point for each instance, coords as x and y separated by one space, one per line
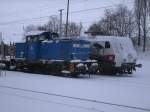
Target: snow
75 61
128 48
65 71
130 90
36 32
121 47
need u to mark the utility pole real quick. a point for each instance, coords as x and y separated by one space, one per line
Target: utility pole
1 43
144 25
67 19
60 27
2 46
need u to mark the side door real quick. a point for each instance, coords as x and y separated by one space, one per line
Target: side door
32 51
65 53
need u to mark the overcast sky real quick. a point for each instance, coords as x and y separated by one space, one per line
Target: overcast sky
14 10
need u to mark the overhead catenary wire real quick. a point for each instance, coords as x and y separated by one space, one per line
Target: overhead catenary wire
42 7
72 12
23 20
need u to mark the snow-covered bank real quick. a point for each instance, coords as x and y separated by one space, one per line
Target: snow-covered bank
144 55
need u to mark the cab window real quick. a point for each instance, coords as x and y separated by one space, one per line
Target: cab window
107 44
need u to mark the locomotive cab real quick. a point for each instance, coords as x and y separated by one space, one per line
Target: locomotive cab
39 36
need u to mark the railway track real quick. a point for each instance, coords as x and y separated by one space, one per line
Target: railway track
53 102
77 98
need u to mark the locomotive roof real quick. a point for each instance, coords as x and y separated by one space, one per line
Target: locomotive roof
33 33
105 38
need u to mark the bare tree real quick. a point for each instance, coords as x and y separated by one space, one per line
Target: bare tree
30 28
123 21
74 29
144 19
118 22
53 24
138 18
144 16
96 29
142 7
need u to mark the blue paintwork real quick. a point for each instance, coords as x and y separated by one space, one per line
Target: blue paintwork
65 50
55 50
81 52
20 50
50 51
32 51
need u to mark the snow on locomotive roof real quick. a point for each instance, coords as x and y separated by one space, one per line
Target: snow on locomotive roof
33 33
104 38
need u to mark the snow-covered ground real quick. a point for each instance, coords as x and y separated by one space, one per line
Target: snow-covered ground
23 92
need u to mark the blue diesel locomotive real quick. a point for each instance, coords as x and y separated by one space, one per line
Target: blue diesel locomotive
44 52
